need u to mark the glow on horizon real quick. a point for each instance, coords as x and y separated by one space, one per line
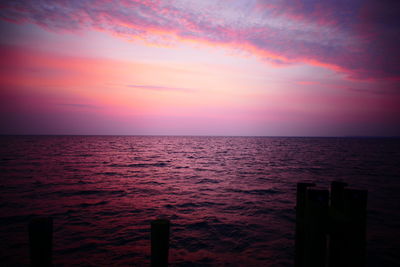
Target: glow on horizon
89 80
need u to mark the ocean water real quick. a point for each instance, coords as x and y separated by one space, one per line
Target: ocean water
230 199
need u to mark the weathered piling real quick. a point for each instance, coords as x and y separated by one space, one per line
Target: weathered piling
354 242
337 188
341 222
336 224
315 217
159 242
41 241
300 226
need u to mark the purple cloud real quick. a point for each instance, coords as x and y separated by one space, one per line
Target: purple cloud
360 38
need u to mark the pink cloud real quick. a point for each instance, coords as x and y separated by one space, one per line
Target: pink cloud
308 82
354 37
160 88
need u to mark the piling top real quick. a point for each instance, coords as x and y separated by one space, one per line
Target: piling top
301 192
301 197
303 185
42 219
160 221
41 223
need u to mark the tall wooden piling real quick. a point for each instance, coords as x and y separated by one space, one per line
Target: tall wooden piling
315 217
354 245
300 226
337 189
336 224
41 241
159 242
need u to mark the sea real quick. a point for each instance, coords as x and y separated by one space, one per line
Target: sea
230 200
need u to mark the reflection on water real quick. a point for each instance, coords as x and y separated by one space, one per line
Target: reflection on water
230 199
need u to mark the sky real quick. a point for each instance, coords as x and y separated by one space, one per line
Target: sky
210 67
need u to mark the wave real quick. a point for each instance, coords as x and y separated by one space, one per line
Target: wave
139 165
256 191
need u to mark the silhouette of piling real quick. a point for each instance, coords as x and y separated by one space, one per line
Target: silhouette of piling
354 232
337 224
342 221
159 242
300 225
41 241
315 216
337 201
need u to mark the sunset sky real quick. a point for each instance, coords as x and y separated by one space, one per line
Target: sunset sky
205 67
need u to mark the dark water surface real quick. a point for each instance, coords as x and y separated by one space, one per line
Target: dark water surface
230 199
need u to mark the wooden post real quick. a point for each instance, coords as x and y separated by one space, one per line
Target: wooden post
41 241
354 245
159 242
337 189
316 214
300 226
336 224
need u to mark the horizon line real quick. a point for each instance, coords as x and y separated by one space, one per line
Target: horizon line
211 135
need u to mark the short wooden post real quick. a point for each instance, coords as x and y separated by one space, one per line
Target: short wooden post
316 214
41 241
159 242
300 226
336 223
